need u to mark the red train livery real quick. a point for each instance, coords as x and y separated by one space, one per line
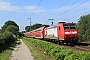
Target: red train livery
62 32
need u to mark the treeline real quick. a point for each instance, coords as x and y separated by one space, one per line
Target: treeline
8 34
84 28
33 27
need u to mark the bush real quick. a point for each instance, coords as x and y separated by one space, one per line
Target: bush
1 38
6 39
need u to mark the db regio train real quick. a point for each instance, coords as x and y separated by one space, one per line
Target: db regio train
63 32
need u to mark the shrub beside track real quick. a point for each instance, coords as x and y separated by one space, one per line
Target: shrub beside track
58 52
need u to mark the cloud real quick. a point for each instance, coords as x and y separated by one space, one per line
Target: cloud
5 6
33 8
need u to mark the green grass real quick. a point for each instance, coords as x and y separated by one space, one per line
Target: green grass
5 55
37 54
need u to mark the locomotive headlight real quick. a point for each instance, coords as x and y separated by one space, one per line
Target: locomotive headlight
67 32
70 32
74 32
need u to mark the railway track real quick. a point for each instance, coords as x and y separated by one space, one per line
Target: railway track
75 47
82 48
79 47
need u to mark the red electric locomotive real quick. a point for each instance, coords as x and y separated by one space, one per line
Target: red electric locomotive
62 32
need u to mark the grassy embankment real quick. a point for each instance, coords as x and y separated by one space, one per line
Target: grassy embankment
54 51
36 52
6 54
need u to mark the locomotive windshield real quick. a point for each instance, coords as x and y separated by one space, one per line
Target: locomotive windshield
68 26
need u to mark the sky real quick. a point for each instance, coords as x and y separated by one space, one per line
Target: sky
40 11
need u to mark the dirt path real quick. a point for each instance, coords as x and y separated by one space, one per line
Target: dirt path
21 52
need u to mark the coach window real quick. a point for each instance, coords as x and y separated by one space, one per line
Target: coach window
59 27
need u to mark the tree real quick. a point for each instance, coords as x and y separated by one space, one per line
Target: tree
0 30
9 23
12 28
1 38
20 34
8 34
27 28
8 37
84 28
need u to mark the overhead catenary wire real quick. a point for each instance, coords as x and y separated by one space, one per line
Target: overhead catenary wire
79 15
71 4
72 8
63 5
36 8
59 7
75 2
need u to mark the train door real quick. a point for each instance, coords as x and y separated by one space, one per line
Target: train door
60 32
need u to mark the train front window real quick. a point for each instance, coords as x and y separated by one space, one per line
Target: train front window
72 28
65 24
68 26
72 24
